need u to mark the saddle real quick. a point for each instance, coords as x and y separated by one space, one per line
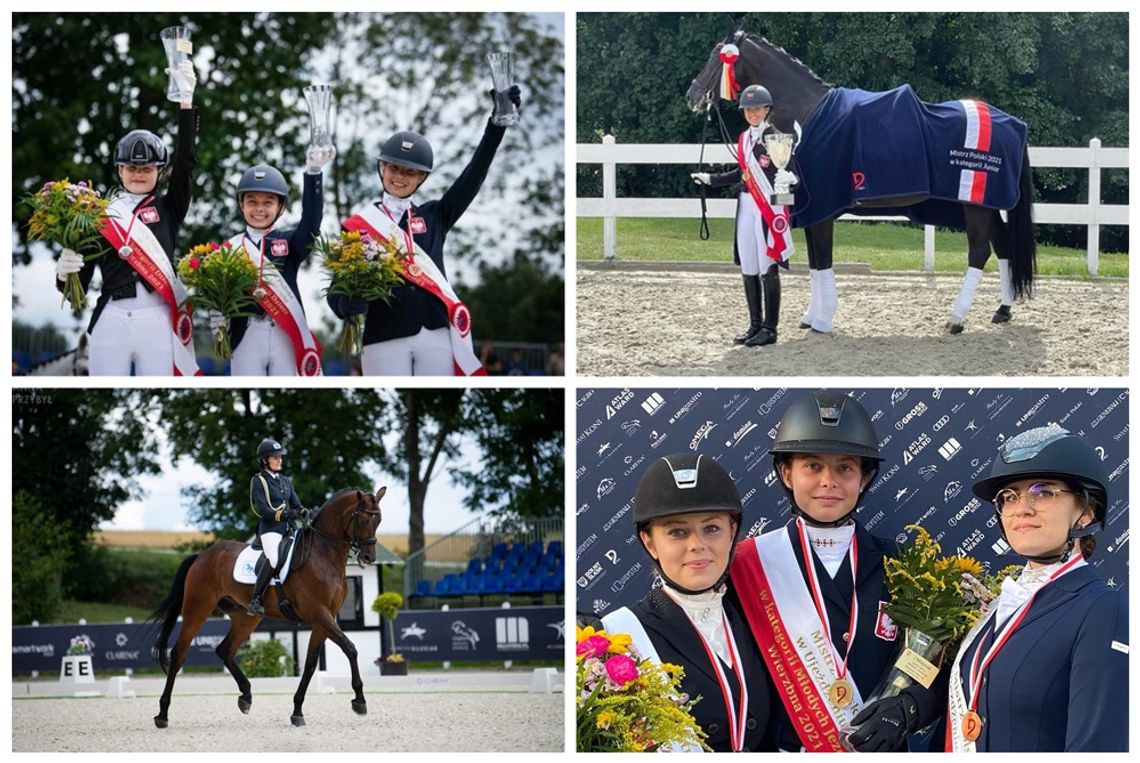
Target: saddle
252 560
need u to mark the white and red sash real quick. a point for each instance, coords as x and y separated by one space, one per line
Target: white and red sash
776 220
423 273
282 305
151 262
958 702
792 639
972 183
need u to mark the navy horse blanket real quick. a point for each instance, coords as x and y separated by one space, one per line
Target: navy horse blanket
859 146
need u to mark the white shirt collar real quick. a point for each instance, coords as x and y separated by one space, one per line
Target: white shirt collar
397 206
830 544
706 611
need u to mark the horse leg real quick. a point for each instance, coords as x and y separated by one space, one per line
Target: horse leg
978 227
822 239
312 657
1003 248
194 613
336 635
241 626
813 275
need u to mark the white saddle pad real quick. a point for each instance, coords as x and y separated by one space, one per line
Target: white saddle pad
244 567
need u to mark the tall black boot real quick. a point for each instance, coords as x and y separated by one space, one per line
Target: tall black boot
767 332
255 606
752 294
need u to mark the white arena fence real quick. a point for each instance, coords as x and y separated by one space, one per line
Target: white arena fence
609 153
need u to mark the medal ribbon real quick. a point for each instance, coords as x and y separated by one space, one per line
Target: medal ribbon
817 597
736 717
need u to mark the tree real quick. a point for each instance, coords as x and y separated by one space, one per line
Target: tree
43 549
329 436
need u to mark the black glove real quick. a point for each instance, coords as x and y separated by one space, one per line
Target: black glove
351 306
884 724
303 514
515 96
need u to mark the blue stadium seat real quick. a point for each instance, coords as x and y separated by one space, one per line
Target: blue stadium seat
514 584
474 566
499 551
423 588
554 547
552 583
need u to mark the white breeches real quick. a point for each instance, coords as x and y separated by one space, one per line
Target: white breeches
264 350
428 353
751 238
271 545
134 330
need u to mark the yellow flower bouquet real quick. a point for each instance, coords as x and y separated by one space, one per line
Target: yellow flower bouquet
71 215
629 704
360 267
222 278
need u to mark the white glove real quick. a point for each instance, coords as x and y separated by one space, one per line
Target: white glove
317 157
701 178
217 320
69 262
185 78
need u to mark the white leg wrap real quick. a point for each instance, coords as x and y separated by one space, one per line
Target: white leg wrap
828 302
1006 282
813 303
966 295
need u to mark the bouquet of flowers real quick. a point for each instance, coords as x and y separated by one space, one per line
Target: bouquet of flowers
222 278
361 267
627 704
80 645
71 215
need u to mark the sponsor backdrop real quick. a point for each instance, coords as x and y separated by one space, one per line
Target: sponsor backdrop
937 443
517 633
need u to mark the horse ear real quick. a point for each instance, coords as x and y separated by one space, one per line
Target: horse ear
380 493
730 27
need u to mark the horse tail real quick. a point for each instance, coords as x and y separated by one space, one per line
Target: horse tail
1022 234
168 611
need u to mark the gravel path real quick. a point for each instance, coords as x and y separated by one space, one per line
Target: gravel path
655 322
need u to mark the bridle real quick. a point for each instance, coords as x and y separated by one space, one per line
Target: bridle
354 540
711 104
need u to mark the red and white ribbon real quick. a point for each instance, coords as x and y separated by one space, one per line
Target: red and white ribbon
729 89
959 704
791 636
817 597
283 307
776 221
153 265
423 273
972 183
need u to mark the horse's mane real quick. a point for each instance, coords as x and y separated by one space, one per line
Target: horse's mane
338 494
757 40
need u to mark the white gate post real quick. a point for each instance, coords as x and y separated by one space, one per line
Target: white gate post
609 197
1094 206
928 248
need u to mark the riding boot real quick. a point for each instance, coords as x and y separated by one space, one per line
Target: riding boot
255 606
767 333
752 294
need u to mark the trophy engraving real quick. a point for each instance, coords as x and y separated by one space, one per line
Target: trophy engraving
321 101
780 147
176 41
502 77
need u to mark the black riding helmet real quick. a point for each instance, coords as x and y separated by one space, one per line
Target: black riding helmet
754 97
407 149
685 483
827 422
140 148
264 179
1051 452
269 448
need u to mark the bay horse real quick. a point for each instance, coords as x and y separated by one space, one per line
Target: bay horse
798 94
316 588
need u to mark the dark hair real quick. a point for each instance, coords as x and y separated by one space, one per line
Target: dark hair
866 465
1088 503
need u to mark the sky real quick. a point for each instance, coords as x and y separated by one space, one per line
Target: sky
162 506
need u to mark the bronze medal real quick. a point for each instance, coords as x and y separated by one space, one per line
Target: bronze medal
746 176
125 251
840 694
971 725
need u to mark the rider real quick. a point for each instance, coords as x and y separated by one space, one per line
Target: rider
422 328
273 499
763 236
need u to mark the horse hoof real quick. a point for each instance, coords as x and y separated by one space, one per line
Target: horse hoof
1002 315
954 328
298 720
817 332
244 703
159 721
360 707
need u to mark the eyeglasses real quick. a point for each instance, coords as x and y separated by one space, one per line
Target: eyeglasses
1038 496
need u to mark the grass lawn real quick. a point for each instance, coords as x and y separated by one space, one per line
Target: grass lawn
95 612
884 246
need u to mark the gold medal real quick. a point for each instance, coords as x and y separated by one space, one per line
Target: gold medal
840 694
971 725
746 176
125 251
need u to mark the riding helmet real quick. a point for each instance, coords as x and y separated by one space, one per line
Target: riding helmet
755 96
826 422
264 179
140 148
1050 452
407 149
685 483
269 448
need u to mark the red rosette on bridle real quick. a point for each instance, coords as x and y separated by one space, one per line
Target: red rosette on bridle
729 55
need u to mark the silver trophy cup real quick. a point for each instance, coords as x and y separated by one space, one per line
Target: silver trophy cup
321 101
176 41
503 77
779 148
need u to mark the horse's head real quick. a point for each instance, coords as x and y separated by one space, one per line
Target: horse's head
354 518
706 85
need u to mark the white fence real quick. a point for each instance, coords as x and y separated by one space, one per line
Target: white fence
609 207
